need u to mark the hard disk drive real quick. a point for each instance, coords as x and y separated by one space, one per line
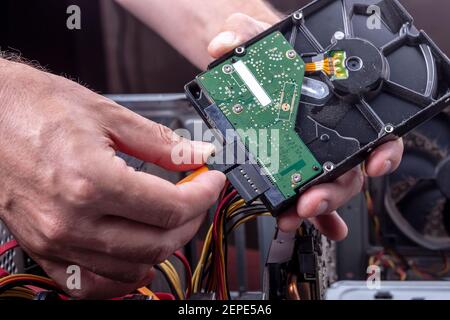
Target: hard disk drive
311 97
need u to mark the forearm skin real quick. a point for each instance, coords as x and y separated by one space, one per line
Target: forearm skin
189 25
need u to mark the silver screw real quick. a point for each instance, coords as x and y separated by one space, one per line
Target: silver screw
240 50
296 178
389 128
298 16
238 108
291 54
328 166
227 69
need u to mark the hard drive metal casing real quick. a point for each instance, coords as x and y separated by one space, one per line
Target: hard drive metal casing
404 82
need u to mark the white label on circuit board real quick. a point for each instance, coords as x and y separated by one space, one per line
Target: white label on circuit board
252 84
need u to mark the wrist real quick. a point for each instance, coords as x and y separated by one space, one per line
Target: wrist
265 12
194 23
256 9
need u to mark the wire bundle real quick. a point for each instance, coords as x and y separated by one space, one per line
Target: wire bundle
29 286
210 275
25 286
173 278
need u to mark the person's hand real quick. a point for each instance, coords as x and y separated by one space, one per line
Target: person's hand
69 200
319 203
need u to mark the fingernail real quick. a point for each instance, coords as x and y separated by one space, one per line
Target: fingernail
205 148
227 39
322 208
387 168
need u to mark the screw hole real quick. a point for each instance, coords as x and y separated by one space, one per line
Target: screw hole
298 16
240 51
354 63
389 128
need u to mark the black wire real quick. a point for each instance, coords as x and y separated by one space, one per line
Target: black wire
207 268
206 272
238 212
243 214
235 199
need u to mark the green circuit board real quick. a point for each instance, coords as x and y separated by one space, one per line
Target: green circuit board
259 93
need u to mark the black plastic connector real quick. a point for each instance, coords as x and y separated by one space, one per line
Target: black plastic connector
248 181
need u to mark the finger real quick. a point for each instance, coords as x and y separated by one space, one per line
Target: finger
135 242
326 198
101 264
156 202
238 29
331 225
289 221
385 159
153 142
92 286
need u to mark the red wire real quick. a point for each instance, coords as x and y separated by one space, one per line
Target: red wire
187 266
4 248
218 242
164 296
218 210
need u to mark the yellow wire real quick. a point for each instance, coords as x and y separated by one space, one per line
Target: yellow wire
173 278
172 269
235 206
176 278
231 210
252 217
205 258
16 295
27 277
201 262
221 253
19 292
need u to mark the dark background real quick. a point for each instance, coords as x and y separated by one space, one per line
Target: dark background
115 53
